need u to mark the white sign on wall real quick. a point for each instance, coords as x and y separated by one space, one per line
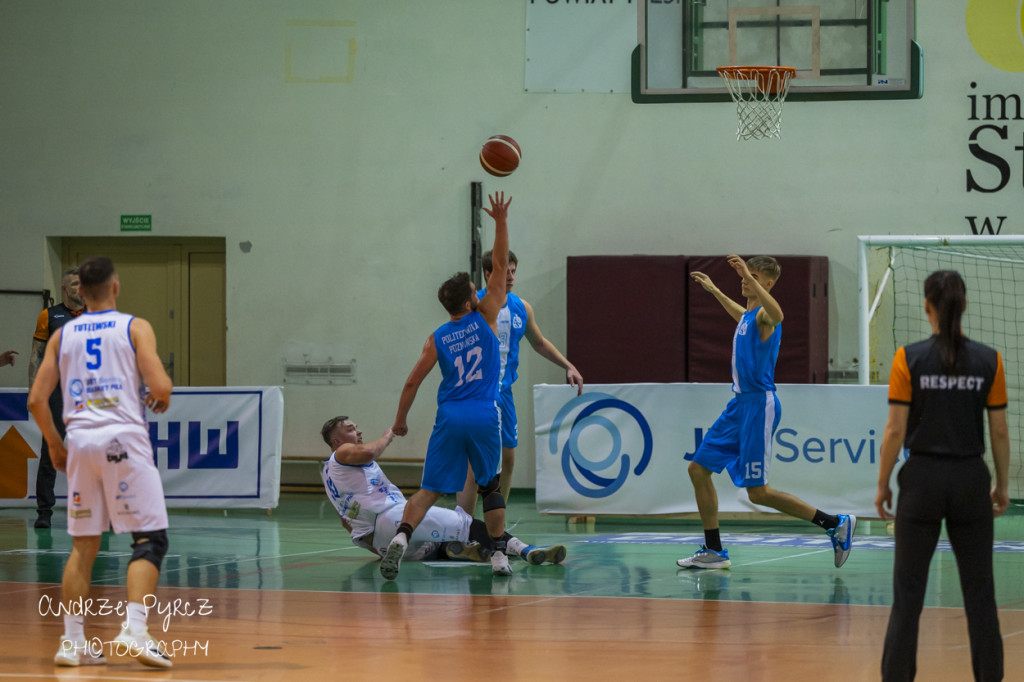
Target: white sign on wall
579 46
624 448
214 447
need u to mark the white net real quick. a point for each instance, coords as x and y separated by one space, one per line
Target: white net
759 93
993 271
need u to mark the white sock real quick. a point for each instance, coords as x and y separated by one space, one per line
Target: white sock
515 546
136 617
74 628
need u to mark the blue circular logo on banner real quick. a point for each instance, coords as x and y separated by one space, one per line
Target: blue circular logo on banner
592 474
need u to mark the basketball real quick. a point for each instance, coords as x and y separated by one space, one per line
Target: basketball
500 155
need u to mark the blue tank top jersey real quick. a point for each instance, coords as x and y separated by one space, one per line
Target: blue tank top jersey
467 351
511 328
753 361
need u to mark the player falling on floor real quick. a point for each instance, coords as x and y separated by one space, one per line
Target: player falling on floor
741 438
370 507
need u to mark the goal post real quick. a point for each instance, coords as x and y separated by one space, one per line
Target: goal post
891 274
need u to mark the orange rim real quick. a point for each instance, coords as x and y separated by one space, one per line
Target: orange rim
761 74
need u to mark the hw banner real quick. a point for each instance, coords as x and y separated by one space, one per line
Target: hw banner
214 447
625 448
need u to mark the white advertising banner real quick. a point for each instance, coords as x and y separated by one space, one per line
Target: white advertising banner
214 447
624 448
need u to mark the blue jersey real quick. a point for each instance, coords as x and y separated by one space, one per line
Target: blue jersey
467 351
511 328
753 361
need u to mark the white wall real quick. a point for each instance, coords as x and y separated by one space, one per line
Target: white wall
355 194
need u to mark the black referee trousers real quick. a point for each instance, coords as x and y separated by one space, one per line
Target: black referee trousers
933 488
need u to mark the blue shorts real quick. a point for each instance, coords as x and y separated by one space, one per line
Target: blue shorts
466 432
509 425
741 439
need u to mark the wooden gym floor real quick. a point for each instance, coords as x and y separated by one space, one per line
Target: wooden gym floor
250 596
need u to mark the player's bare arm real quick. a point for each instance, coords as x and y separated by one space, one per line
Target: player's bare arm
363 453
46 378
756 291
425 363
151 368
734 309
546 349
496 282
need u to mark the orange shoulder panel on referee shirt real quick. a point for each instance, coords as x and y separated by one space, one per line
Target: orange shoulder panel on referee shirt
900 389
42 326
997 394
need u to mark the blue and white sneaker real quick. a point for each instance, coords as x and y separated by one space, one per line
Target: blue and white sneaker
706 558
554 554
842 537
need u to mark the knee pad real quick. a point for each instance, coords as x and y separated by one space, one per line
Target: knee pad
151 546
491 495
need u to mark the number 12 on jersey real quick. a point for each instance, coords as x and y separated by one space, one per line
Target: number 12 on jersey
472 359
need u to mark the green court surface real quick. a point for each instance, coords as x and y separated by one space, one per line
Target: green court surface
302 546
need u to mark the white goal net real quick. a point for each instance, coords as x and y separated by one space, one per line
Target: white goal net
891 311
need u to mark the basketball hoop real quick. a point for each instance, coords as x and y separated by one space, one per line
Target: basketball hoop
759 93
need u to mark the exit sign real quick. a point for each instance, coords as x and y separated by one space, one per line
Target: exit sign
136 223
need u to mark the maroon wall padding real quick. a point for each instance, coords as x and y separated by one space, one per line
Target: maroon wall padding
626 318
802 292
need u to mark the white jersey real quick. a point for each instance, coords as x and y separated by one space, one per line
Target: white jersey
360 493
99 374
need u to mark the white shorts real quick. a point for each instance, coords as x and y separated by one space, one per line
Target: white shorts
439 525
112 481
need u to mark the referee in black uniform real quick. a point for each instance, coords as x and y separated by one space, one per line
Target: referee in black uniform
939 389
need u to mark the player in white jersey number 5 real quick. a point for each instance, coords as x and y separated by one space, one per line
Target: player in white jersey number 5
109 372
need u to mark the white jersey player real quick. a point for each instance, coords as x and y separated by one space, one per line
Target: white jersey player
104 360
370 506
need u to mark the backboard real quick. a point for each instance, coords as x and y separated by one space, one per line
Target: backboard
842 49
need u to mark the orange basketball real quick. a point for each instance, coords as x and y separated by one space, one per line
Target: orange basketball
500 155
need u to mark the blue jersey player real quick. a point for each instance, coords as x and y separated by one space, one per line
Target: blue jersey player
515 321
467 427
740 441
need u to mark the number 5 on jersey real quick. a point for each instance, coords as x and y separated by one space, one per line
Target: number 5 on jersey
92 347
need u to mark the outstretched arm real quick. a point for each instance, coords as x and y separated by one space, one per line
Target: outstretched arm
425 363
497 290
734 309
547 349
771 312
364 453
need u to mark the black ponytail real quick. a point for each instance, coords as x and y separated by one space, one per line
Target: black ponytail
946 292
